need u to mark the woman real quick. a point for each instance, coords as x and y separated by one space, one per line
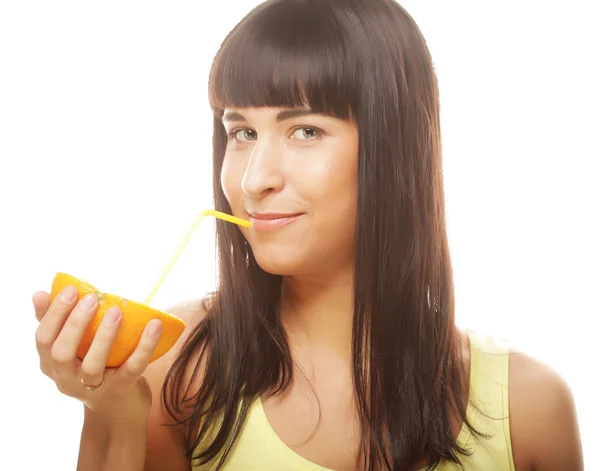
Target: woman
330 343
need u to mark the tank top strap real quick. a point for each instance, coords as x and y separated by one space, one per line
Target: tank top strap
489 383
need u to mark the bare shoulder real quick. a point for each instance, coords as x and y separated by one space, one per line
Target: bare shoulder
543 419
166 448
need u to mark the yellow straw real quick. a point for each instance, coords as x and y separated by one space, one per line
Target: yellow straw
186 239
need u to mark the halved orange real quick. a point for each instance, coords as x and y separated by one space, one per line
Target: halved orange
135 318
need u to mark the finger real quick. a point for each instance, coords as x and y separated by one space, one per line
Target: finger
41 303
64 349
137 362
54 319
92 367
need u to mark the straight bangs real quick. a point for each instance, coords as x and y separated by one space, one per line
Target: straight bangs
287 56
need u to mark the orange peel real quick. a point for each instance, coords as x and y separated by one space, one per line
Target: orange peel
135 318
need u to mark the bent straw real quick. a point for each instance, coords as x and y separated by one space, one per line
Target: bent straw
186 239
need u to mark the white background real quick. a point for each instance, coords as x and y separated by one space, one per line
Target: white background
105 151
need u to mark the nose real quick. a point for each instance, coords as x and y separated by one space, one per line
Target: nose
263 171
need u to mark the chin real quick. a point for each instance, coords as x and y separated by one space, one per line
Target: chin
279 262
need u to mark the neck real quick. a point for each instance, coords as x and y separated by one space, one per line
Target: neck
318 313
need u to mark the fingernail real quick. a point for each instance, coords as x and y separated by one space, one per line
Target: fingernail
68 294
155 328
89 300
112 316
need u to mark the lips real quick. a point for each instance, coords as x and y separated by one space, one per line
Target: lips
266 216
272 221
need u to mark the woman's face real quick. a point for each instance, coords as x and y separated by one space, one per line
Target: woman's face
294 174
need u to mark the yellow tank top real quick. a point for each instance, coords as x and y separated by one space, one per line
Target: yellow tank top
260 449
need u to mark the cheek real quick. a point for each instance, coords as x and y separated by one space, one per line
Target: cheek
330 182
340 193
231 181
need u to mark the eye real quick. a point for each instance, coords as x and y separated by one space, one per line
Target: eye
242 134
307 133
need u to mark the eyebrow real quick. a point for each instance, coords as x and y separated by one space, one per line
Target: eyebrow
281 116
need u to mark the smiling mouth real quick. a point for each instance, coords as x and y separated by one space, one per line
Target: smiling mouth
272 221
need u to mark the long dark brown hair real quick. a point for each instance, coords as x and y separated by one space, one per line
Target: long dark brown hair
366 61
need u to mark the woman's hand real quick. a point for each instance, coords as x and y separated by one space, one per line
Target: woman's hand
118 395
